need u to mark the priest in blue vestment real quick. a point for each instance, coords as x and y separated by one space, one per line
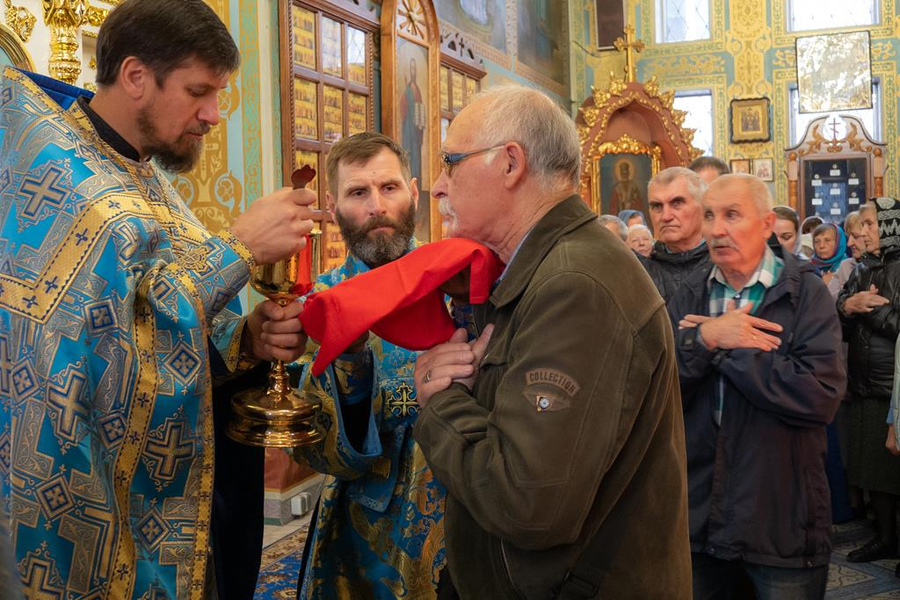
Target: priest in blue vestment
115 306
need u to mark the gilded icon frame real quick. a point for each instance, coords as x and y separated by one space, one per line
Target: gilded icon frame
750 120
624 147
12 46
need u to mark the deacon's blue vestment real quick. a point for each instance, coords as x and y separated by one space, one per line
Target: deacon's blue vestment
379 531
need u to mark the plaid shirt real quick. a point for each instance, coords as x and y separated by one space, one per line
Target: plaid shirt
721 293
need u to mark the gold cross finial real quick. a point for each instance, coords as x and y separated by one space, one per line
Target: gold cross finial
629 44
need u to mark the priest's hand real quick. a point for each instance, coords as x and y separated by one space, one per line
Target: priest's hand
453 361
273 227
275 332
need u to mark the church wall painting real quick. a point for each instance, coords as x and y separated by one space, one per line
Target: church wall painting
542 40
480 20
412 92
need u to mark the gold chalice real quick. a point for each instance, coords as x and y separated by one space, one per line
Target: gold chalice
279 417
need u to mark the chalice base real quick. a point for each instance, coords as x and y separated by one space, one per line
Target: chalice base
273 419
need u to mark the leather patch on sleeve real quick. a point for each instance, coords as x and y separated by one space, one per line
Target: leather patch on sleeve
549 389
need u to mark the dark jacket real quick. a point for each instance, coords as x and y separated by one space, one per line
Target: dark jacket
872 336
757 485
238 492
573 428
669 269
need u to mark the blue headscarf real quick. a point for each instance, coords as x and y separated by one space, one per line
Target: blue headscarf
626 214
827 265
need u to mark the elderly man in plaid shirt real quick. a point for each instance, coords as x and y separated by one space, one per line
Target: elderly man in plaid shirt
759 361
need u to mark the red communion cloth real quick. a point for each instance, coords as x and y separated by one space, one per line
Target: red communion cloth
400 302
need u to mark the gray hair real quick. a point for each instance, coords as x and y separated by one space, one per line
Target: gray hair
514 113
623 229
696 186
866 207
759 191
639 227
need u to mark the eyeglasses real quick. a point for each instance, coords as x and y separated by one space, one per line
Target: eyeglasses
451 160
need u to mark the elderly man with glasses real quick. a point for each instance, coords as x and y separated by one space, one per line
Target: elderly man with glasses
558 432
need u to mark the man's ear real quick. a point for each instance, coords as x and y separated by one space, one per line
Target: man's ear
134 77
330 204
414 191
769 224
515 166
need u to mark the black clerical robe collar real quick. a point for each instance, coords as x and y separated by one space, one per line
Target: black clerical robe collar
107 133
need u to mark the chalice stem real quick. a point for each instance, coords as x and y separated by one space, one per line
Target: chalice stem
279 381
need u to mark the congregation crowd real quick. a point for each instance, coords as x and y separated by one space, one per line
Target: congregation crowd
855 321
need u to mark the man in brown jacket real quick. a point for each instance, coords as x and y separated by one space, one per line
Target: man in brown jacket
558 432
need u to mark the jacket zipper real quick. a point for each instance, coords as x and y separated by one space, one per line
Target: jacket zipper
506 564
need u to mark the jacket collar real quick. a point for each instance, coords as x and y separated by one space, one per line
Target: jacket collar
788 282
568 215
663 254
890 254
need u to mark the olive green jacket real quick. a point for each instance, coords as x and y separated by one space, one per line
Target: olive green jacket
573 429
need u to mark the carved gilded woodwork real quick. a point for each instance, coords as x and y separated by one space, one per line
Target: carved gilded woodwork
65 18
630 45
20 20
671 140
12 46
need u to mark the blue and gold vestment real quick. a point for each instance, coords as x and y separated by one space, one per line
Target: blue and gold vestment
108 289
379 532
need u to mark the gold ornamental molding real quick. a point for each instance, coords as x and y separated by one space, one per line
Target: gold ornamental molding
672 143
11 44
604 103
20 20
65 18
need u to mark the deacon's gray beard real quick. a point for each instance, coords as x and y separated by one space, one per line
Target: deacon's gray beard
384 247
168 156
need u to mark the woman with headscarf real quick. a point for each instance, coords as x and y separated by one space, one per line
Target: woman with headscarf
869 307
856 245
829 249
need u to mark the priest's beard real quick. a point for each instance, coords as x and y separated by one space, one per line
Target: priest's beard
176 157
383 247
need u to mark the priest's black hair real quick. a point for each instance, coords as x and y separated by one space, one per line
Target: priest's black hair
164 34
